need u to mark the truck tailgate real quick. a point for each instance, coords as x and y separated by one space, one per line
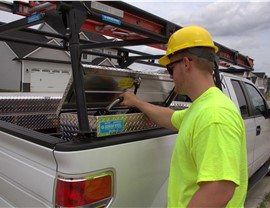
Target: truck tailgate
27 169
140 169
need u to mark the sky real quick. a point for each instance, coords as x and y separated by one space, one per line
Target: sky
240 25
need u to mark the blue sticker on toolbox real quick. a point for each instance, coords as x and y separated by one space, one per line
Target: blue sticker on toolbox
108 127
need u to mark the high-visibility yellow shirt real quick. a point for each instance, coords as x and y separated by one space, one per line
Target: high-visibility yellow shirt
210 146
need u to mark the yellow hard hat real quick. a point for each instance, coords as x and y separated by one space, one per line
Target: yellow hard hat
187 37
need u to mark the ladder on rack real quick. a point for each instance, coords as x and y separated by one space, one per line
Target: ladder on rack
124 22
129 25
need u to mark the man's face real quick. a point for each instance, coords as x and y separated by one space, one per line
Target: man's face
176 71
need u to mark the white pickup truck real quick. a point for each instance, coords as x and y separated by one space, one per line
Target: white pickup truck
121 170
84 150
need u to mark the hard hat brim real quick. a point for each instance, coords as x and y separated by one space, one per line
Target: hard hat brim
164 60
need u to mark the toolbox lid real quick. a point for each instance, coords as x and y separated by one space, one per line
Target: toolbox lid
104 84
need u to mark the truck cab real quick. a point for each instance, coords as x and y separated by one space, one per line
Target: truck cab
255 113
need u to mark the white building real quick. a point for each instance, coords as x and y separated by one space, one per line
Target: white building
29 68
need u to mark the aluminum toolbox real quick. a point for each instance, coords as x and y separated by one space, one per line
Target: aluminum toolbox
30 110
106 125
102 86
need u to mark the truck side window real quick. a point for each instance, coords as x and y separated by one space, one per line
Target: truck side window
242 102
256 99
183 98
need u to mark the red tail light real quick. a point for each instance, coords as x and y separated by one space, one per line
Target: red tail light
96 190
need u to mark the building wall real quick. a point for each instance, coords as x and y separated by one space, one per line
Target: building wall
10 71
46 76
40 76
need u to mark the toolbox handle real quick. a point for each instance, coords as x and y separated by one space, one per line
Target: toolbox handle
106 111
118 100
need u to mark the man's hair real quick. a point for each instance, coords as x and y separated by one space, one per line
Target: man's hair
202 57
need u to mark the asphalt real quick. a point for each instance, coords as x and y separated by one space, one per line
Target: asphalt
256 195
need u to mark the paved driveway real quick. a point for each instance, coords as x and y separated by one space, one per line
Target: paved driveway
256 195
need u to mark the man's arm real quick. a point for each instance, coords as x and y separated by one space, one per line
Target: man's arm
213 194
159 115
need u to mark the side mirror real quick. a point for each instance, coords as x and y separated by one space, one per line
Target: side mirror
266 113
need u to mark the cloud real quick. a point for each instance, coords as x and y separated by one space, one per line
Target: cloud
234 18
242 26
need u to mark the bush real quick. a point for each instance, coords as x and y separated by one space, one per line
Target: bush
267 96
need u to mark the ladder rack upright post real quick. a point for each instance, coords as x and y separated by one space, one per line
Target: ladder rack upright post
74 20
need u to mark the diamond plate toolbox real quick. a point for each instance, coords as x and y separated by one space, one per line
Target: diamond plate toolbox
30 110
106 125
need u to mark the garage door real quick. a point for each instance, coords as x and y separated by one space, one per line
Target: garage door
45 80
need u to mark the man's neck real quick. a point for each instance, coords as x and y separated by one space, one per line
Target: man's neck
200 86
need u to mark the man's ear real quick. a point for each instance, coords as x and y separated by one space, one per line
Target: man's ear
186 61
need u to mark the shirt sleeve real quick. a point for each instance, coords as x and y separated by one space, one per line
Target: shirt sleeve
216 151
177 118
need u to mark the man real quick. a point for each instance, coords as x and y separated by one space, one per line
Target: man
209 162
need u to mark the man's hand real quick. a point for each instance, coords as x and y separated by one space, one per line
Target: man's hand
159 115
130 99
